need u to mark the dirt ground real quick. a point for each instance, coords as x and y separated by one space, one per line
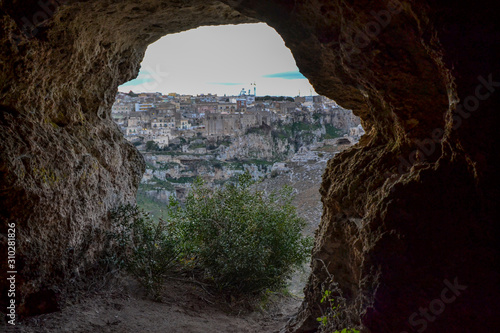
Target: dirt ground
185 308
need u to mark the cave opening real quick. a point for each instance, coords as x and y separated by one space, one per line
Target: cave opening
189 78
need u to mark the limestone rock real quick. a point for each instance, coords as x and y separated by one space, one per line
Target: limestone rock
397 222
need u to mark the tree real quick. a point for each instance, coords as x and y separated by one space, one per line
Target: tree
151 145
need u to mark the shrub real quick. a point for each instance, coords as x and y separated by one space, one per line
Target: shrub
336 316
238 238
151 145
243 240
148 249
332 132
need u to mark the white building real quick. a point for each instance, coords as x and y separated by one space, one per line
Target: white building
140 107
161 140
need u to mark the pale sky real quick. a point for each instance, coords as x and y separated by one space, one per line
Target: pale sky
221 60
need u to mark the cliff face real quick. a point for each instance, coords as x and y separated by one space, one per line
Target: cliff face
410 207
259 146
342 119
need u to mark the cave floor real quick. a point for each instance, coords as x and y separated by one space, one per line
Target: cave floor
185 307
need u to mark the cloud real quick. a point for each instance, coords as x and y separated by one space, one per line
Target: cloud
225 83
138 81
147 76
294 75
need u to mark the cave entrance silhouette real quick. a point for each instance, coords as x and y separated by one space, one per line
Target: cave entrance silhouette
390 237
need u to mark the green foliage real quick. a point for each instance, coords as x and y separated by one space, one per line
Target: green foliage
225 142
147 249
151 205
332 307
197 145
332 132
167 165
259 162
151 145
239 239
274 98
296 127
297 133
260 130
333 316
156 184
243 240
236 165
317 116
180 180
280 134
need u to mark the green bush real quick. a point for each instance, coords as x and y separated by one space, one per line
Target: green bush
151 145
238 238
332 132
335 316
148 249
243 240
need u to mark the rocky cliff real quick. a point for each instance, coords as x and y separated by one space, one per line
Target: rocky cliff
409 213
260 146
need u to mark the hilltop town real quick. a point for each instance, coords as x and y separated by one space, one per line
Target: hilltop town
164 119
219 137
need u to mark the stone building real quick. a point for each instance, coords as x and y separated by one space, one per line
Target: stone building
122 108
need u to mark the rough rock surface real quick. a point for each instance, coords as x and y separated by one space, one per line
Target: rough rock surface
342 119
390 234
258 146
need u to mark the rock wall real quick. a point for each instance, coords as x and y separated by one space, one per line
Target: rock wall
258 146
342 119
406 212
